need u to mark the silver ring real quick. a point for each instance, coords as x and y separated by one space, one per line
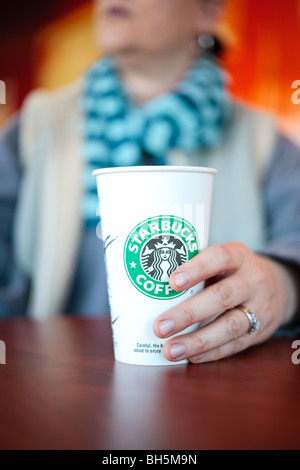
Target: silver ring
254 322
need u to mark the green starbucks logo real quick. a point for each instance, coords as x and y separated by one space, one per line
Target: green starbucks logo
154 249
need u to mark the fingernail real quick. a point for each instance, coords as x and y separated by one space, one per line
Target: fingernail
177 350
166 327
181 279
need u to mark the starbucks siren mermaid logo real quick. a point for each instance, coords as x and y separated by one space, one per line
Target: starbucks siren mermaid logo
162 255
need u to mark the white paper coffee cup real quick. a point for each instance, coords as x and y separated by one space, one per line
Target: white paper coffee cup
153 219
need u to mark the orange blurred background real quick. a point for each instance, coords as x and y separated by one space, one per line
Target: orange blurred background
49 44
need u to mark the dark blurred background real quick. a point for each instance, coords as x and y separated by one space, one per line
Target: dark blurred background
49 43
24 26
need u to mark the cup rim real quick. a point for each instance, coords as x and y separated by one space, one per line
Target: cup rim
155 169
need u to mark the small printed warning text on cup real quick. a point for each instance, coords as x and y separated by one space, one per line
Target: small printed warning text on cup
148 348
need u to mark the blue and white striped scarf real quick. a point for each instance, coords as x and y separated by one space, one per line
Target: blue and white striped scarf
119 133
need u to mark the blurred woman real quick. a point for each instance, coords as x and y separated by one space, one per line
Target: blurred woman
156 97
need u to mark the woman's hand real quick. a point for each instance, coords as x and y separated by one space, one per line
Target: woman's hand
241 278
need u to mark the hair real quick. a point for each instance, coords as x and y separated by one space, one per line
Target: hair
217 48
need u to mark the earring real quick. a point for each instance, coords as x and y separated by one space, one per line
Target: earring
206 42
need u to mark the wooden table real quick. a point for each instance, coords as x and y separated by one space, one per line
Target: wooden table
62 389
